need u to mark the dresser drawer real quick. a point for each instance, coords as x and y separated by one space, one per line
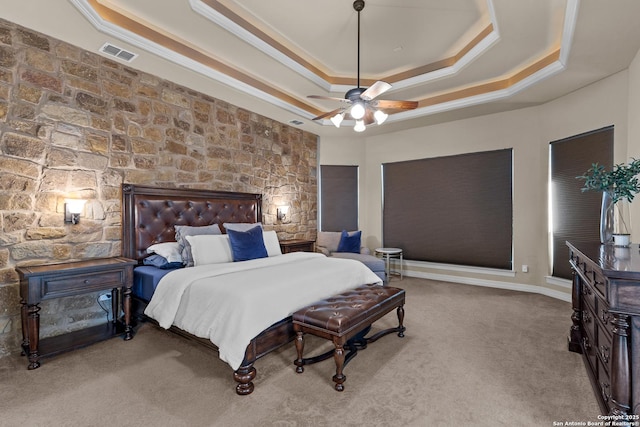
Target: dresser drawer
589 323
62 285
589 296
589 350
600 283
604 383
604 346
595 278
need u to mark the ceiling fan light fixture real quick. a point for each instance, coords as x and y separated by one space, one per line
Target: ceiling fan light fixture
380 116
361 100
337 119
357 111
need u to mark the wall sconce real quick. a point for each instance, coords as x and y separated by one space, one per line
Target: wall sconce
72 210
282 213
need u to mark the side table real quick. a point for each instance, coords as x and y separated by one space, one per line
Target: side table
387 254
296 245
42 282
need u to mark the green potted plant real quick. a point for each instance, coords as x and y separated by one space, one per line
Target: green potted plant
618 186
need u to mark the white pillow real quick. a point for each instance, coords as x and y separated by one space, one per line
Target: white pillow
210 249
271 243
241 226
168 250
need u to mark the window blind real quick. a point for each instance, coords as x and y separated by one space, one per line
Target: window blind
575 215
453 209
338 198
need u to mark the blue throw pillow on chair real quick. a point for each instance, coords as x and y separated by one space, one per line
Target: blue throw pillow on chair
246 245
350 243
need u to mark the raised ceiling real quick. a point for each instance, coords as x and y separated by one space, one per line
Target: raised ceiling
457 58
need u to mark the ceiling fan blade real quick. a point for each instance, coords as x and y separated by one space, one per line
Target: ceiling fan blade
396 105
348 101
378 88
368 117
329 114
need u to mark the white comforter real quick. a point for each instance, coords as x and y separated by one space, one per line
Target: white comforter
232 303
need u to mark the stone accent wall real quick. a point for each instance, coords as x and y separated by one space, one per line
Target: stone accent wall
75 124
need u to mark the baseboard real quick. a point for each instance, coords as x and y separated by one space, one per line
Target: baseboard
490 284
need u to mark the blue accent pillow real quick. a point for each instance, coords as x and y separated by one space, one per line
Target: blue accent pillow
350 243
246 245
159 261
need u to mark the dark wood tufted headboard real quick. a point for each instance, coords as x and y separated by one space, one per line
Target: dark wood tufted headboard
149 214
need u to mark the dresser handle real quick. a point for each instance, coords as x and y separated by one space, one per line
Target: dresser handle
86 281
604 351
585 316
586 344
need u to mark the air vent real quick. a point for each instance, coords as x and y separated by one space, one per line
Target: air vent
119 53
295 122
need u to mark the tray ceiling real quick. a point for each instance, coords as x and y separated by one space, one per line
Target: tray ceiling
457 58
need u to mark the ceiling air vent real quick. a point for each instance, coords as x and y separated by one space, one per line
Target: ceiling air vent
112 50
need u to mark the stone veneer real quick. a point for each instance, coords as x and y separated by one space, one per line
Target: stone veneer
74 123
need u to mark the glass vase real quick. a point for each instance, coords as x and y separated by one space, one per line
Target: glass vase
606 219
621 222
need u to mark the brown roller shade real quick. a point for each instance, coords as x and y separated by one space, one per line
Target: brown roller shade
338 198
453 209
576 214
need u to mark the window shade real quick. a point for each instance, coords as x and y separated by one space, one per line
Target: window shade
454 209
576 215
338 198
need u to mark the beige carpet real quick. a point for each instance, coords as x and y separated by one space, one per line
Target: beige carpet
471 357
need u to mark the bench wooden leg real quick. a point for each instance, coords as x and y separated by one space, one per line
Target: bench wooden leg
339 377
401 327
299 362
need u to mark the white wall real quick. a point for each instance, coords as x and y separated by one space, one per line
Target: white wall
633 135
612 101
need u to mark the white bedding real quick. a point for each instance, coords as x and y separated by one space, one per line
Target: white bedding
232 303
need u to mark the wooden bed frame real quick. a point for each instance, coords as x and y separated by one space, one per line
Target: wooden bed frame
149 215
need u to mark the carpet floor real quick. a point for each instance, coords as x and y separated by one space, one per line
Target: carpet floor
471 356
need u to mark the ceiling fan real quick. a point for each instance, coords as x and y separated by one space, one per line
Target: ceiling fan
361 105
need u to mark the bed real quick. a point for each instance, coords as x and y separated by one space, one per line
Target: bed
151 216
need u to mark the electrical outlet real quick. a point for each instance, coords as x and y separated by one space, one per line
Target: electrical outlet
104 297
525 268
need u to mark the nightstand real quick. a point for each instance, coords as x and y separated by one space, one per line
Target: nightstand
296 245
43 282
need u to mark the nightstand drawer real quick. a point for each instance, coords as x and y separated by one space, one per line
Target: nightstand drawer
60 286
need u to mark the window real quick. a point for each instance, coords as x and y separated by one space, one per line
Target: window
454 209
338 198
575 215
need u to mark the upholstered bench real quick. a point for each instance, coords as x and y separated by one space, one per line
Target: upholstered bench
341 318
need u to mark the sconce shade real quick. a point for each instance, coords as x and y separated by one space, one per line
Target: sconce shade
282 213
72 210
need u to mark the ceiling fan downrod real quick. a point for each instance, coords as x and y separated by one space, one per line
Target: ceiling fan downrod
358 5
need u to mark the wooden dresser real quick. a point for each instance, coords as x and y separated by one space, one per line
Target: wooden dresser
606 322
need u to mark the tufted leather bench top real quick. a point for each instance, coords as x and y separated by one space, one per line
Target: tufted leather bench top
351 310
341 318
